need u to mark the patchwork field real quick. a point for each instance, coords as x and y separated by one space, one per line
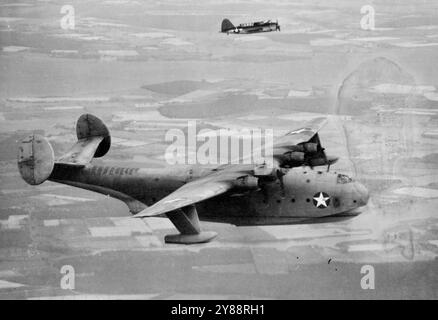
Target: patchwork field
146 67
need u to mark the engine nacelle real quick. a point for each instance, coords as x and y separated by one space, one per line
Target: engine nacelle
318 162
247 183
308 147
296 156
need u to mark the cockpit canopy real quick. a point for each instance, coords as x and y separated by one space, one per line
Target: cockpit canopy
343 178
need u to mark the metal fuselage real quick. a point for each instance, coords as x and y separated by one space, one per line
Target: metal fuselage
254 28
290 202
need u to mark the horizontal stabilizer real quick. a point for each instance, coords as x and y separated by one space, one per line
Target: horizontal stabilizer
82 152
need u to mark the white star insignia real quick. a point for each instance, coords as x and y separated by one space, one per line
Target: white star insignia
321 200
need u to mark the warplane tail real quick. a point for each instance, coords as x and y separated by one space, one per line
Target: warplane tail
36 159
227 25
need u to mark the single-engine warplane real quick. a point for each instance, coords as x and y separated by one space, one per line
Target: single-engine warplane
254 27
292 191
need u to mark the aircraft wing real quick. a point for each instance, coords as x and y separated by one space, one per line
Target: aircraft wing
296 148
302 147
301 135
254 30
198 190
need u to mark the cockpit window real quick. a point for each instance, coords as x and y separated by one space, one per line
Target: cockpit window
342 179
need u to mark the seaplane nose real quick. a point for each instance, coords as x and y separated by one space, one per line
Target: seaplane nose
362 194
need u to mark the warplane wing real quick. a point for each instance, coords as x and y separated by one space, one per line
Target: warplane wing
297 147
253 30
201 189
180 208
188 194
301 135
302 147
